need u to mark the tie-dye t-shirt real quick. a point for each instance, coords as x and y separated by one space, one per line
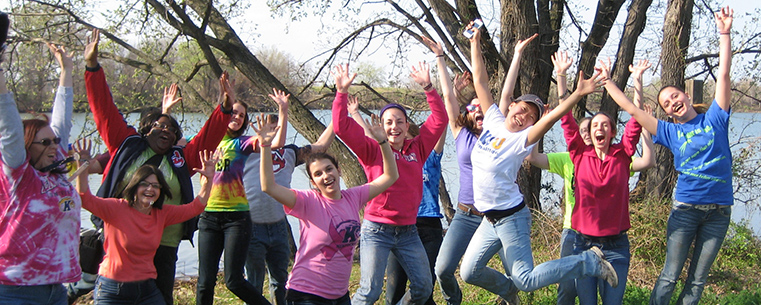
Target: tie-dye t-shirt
329 233
39 227
227 191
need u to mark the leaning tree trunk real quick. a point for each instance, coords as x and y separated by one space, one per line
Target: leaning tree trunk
676 38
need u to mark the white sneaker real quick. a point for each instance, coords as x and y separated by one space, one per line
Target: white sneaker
607 272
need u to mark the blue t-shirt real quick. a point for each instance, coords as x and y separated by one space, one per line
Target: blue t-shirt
701 156
429 206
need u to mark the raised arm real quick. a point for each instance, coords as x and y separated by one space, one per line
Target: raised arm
648 156
353 108
538 159
208 161
214 128
63 105
82 147
282 117
326 138
723 93
512 74
447 88
12 147
266 132
584 87
171 98
390 171
647 121
561 62
480 78
637 71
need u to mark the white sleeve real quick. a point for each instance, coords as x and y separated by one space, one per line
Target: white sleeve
63 107
11 133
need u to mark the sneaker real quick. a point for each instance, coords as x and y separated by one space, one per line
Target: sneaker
512 300
607 272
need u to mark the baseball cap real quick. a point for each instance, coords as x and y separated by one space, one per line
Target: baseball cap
535 100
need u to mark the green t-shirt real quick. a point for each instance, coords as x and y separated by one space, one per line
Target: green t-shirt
560 163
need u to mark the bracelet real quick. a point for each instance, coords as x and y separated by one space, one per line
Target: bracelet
383 142
428 87
562 74
265 145
440 55
724 33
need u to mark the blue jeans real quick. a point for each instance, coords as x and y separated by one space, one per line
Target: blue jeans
511 234
228 231
376 242
52 294
453 246
567 289
686 224
430 232
616 252
269 243
108 292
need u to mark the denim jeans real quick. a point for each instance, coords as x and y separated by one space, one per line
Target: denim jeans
453 246
686 224
165 262
617 254
108 292
511 235
228 231
567 289
52 294
375 243
431 234
269 243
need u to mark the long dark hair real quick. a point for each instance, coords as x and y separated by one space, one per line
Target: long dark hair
140 174
699 107
242 129
464 120
318 156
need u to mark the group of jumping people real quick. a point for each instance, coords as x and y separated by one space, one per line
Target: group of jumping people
146 204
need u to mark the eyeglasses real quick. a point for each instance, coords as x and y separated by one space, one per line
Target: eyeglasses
472 108
163 126
48 142
148 184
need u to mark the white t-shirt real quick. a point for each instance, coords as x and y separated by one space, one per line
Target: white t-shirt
496 158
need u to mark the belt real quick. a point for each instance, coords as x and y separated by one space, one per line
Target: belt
495 215
469 209
701 207
602 239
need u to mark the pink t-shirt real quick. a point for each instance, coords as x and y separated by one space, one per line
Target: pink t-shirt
39 227
329 233
131 237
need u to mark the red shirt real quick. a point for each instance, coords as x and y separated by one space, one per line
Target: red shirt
398 205
601 186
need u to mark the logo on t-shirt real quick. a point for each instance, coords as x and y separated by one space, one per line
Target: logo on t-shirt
177 159
412 157
345 237
278 160
66 204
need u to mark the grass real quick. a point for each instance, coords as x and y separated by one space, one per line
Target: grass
734 277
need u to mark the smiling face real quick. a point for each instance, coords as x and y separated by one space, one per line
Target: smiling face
520 116
40 155
602 131
162 135
237 117
477 114
148 191
396 126
676 104
326 177
584 131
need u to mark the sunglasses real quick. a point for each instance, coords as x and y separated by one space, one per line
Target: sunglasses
148 184
162 126
472 108
48 142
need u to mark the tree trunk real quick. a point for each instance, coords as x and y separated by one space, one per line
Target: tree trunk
676 38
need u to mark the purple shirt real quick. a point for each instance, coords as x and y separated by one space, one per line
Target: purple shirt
464 144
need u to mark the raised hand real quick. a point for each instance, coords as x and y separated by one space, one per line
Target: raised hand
476 33
724 19
590 85
604 68
521 44
170 99
208 162
264 131
280 98
91 49
82 148
353 105
462 81
64 58
434 46
342 78
421 75
376 128
640 68
561 62
226 91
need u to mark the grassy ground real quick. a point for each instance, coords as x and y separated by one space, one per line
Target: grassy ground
734 279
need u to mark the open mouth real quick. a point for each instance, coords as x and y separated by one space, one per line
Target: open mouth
599 137
329 182
678 108
518 122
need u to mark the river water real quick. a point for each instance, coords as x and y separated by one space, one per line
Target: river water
745 131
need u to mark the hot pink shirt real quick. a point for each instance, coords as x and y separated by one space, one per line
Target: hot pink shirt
329 233
39 227
131 237
601 186
398 205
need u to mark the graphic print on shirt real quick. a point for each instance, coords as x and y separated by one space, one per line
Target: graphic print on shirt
489 143
345 235
278 160
409 158
177 159
696 171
